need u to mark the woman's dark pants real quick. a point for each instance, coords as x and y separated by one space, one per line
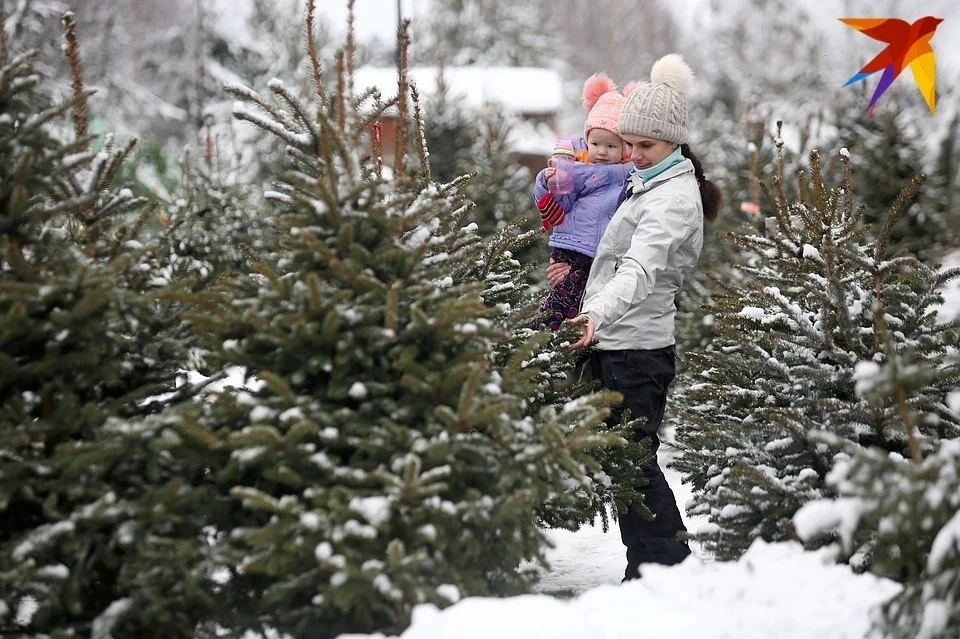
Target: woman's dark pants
642 376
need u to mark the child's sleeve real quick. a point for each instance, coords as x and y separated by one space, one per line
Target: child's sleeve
551 213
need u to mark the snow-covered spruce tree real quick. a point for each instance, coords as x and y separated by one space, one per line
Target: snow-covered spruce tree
87 345
885 153
817 300
896 515
903 516
215 215
945 184
383 459
449 129
485 32
502 187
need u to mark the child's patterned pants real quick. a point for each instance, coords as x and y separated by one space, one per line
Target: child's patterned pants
565 298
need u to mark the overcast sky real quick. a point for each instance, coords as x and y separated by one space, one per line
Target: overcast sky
373 18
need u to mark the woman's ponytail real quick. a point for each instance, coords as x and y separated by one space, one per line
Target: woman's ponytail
709 192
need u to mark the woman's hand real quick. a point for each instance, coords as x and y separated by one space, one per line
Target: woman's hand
557 272
587 329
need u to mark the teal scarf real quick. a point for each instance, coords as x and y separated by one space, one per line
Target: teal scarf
649 173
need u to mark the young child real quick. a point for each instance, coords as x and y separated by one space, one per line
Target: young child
579 218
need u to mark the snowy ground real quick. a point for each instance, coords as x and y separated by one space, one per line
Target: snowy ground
590 557
775 590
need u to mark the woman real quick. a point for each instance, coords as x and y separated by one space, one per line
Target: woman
652 243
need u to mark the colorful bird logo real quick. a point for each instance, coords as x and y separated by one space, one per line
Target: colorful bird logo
907 44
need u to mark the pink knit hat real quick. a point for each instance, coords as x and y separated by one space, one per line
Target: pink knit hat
604 103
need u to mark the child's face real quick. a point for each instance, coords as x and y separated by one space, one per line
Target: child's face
604 147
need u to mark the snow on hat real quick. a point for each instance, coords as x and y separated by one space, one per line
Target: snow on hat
603 102
658 109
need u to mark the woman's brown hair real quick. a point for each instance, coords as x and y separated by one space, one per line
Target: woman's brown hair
709 192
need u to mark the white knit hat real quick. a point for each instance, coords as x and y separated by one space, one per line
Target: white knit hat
658 109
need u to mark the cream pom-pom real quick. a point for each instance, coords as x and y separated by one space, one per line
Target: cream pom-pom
672 71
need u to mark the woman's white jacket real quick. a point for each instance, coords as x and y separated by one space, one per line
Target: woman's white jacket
649 247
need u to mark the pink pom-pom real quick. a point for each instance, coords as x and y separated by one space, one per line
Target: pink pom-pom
627 90
595 86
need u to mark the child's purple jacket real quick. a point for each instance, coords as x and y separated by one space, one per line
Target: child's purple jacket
589 207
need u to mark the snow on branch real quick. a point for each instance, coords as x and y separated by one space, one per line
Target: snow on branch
303 141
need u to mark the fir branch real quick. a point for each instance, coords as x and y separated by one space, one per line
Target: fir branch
313 54
69 205
826 309
91 301
308 189
900 390
790 308
44 117
242 92
313 284
390 317
278 125
466 396
899 204
778 175
351 48
340 106
879 324
946 276
185 391
302 141
777 197
521 355
819 193
848 209
17 75
258 264
421 136
858 217
115 162
403 41
119 199
278 385
379 106
779 214
149 252
804 213
329 142
73 55
280 90
301 163
135 230
905 416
